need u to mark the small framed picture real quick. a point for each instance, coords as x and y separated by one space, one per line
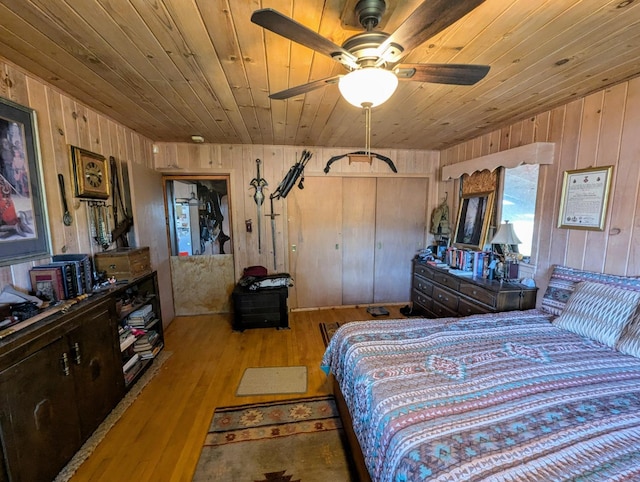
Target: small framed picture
91 174
585 193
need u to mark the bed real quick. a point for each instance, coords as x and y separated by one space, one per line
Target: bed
549 394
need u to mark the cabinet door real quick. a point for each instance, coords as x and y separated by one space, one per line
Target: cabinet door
97 367
38 414
358 238
401 205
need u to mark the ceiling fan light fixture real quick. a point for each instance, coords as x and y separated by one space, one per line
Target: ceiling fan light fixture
370 85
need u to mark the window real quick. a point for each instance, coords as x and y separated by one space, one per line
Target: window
519 202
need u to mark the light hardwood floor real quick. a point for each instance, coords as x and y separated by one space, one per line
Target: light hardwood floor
159 437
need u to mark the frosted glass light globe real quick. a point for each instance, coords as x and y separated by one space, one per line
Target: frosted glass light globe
370 85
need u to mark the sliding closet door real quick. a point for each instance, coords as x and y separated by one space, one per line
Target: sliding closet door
315 242
358 237
401 205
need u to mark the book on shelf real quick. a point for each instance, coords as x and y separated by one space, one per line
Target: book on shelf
127 340
152 353
83 268
130 363
47 281
69 279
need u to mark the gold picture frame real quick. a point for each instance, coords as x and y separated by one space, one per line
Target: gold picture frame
474 215
585 195
90 173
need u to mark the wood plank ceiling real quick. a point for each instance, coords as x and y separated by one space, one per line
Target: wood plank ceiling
173 68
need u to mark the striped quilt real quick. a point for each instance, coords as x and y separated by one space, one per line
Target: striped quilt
490 397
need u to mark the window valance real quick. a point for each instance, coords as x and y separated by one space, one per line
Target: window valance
535 153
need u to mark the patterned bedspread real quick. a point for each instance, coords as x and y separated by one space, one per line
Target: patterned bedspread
499 397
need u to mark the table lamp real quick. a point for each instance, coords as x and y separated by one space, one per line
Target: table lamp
508 241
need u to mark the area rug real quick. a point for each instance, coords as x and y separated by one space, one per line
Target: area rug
327 330
295 440
92 442
273 381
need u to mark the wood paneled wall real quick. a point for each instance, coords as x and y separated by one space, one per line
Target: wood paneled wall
62 121
239 162
598 130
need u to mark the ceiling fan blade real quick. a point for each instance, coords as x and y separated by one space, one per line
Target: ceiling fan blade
286 27
457 74
426 21
304 88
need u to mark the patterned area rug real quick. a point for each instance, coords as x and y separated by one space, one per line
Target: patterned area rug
92 442
295 441
327 330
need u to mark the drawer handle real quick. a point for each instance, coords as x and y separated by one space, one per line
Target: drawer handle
475 292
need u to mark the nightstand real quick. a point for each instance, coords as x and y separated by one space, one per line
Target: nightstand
265 308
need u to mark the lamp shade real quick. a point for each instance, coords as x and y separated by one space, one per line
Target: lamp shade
506 235
369 85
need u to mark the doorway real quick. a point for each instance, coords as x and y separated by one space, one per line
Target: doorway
198 210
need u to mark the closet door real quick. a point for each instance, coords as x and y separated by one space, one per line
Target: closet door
358 238
315 243
401 205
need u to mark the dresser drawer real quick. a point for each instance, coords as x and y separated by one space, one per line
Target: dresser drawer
422 270
483 296
422 285
446 280
441 311
423 301
466 308
446 298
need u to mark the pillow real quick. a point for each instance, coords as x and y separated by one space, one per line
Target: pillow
629 341
598 311
563 281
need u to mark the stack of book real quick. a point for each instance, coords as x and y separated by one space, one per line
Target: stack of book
127 338
141 317
132 367
68 276
148 345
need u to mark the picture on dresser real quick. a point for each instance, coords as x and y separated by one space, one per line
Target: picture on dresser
473 220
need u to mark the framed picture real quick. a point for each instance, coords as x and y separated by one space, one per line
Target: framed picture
585 193
473 220
90 172
23 220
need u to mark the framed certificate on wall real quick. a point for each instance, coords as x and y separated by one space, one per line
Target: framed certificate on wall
585 193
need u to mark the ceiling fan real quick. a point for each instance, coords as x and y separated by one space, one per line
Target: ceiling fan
377 53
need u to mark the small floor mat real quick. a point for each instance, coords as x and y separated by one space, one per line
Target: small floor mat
273 381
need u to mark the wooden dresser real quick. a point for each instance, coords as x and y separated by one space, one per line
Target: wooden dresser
437 293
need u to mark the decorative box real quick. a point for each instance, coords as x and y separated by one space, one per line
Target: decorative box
124 264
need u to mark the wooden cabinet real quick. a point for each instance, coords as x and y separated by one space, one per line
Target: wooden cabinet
59 378
260 309
438 293
56 388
